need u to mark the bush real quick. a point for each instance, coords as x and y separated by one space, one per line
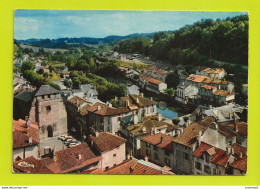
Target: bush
176 121
186 118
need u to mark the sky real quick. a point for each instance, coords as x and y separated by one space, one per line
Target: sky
55 24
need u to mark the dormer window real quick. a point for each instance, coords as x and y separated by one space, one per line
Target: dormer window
48 108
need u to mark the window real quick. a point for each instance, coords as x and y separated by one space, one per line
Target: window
48 108
186 155
207 169
167 161
207 158
152 110
107 167
155 156
198 165
114 155
155 148
167 153
108 120
186 148
214 171
148 152
148 145
101 120
118 119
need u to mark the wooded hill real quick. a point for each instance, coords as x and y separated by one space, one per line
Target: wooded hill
224 40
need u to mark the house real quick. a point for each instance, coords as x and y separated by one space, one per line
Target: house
105 118
210 160
184 145
30 165
49 111
75 159
218 73
134 128
152 84
206 92
64 74
133 89
139 103
134 166
223 114
110 147
25 139
186 93
239 164
89 91
223 97
156 73
158 148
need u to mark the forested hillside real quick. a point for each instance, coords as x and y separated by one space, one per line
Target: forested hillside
224 40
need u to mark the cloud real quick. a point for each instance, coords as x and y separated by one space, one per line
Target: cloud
26 24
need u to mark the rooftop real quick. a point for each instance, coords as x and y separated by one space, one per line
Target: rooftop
218 156
150 79
136 100
73 158
209 87
77 101
30 165
46 90
223 93
189 135
106 110
161 140
106 141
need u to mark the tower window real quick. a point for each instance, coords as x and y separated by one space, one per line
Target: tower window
48 108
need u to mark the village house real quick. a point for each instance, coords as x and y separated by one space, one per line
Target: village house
151 84
186 93
156 73
105 118
139 103
223 114
75 159
48 110
210 160
77 116
239 164
133 89
25 139
158 148
218 73
184 145
64 74
110 147
30 165
134 128
223 97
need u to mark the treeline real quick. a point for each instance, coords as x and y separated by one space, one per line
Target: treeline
225 40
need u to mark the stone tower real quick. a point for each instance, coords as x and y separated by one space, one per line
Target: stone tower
48 110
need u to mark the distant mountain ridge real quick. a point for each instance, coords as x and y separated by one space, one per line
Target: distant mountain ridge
79 41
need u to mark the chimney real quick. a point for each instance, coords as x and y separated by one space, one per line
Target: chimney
77 102
161 139
199 138
128 156
135 118
99 108
159 116
146 158
137 100
28 122
152 130
30 140
141 94
240 155
228 150
127 103
26 118
79 156
97 134
144 129
151 98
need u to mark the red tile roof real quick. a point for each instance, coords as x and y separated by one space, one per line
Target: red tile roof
150 79
240 164
74 158
189 135
30 165
106 141
162 72
237 149
223 93
141 102
77 101
218 156
107 111
22 140
241 128
161 140
208 87
93 171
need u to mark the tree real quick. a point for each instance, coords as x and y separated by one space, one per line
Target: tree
176 121
45 75
27 65
172 80
76 83
41 71
186 118
68 83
